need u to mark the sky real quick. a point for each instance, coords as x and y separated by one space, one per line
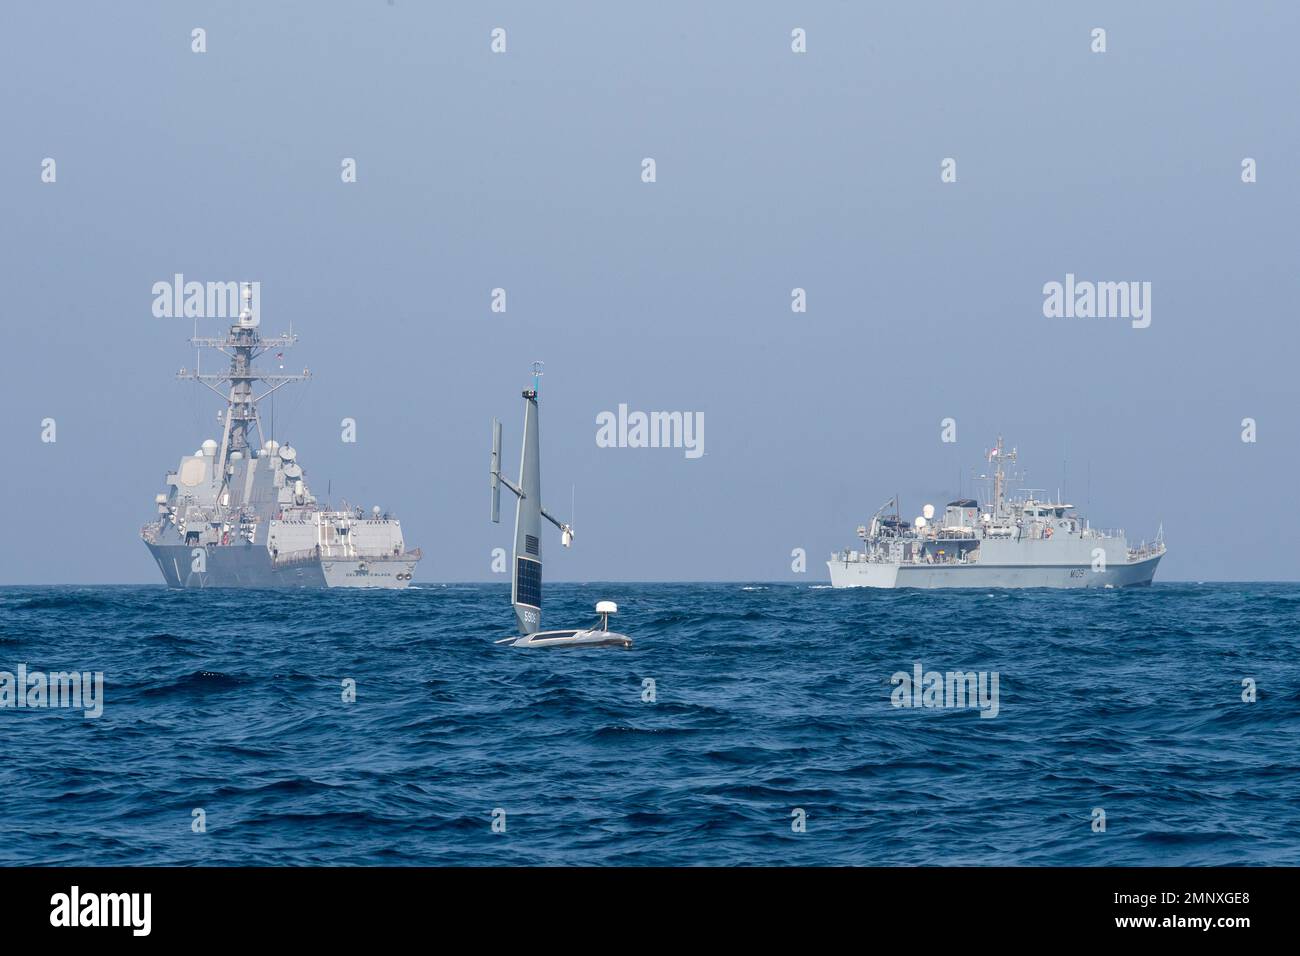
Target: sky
774 171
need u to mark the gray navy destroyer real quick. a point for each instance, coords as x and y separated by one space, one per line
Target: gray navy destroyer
1008 541
238 513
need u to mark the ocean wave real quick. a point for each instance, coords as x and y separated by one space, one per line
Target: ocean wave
316 727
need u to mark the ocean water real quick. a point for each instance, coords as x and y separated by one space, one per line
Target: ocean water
768 700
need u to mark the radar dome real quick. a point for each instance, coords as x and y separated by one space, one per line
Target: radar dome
209 447
919 522
928 511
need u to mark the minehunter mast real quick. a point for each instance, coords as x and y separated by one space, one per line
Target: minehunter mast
999 476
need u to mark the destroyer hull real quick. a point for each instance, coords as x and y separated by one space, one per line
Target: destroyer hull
252 567
870 574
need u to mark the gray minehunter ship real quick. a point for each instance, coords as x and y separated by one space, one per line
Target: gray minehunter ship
1014 541
239 514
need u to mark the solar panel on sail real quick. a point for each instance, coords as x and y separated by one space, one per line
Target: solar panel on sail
528 582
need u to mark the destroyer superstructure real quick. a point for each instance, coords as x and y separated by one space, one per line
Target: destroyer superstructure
1008 541
239 513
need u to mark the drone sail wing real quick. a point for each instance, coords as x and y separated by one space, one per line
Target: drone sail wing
526 590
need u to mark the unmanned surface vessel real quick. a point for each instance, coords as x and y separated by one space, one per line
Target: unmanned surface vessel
1006 542
526 581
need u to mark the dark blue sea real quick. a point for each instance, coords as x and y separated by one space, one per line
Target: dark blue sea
767 701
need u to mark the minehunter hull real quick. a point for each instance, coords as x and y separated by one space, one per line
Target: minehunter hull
868 574
1007 541
252 567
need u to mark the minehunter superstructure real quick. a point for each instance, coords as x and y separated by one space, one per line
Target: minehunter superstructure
238 513
1009 541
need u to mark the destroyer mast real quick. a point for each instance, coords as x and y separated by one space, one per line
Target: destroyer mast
243 344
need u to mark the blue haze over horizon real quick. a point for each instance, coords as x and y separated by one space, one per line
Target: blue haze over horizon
775 171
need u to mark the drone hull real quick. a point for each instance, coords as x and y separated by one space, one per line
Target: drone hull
579 638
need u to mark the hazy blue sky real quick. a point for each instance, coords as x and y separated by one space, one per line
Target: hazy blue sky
775 170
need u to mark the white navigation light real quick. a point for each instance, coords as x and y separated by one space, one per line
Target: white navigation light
919 522
928 511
